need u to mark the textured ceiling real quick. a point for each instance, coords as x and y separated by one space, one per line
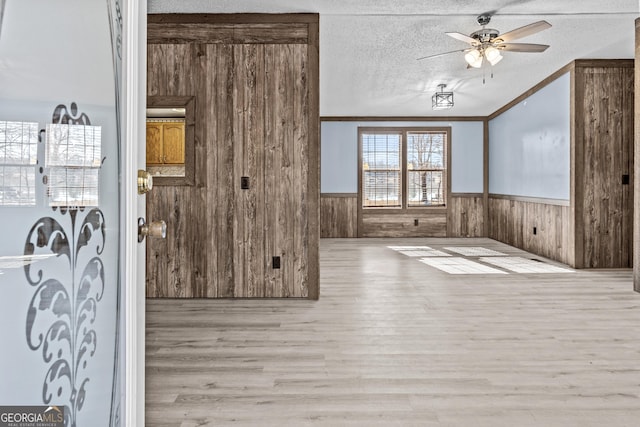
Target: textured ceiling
368 48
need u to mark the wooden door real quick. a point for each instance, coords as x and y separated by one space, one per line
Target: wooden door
269 148
606 135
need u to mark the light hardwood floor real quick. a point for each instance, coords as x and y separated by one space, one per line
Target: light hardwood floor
394 342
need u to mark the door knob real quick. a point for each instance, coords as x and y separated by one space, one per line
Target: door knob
145 181
153 229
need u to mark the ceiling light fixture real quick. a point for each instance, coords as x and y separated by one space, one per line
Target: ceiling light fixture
442 100
493 55
476 56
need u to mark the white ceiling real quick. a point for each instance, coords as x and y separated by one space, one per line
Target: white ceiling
368 48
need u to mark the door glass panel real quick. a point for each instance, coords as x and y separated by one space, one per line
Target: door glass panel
60 204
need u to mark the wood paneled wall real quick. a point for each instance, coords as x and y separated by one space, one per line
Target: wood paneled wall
339 215
512 221
636 167
464 218
604 120
432 223
466 215
256 98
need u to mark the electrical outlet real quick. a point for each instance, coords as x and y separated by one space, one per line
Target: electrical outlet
244 183
275 262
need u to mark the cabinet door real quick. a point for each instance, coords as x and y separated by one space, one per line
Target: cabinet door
154 143
173 135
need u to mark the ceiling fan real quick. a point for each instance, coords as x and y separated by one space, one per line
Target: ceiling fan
487 43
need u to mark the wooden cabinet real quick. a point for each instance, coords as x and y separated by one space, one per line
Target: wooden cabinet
165 143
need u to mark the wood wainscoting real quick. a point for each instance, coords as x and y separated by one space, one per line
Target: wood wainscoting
248 226
417 222
339 215
464 218
543 227
466 215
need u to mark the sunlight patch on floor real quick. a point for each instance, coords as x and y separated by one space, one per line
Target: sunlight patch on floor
455 265
418 251
473 251
445 261
523 265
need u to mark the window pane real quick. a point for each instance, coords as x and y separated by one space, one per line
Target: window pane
381 151
382 189
73 145
18 156
425 150
381 168
18 143
17 185
73 186
426 188
73 154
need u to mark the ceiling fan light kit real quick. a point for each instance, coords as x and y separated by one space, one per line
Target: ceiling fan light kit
488 43
442 100
493 55
474 58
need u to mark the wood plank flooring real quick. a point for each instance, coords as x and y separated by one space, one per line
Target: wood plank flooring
394 342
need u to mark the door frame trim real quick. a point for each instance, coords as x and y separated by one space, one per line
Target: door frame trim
132 270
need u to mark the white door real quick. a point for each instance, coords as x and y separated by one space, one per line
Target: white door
134 258
70 308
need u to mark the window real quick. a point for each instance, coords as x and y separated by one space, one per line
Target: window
425 168
18 156
73 156
381 169
403 168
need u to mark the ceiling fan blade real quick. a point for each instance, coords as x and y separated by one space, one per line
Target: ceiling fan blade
525 31
522 47
463 38
441 54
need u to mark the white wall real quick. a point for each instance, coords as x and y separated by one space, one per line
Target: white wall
339 154
529 145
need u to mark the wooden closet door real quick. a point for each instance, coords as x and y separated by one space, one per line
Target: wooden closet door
270 149
250 260
607 207
286 170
